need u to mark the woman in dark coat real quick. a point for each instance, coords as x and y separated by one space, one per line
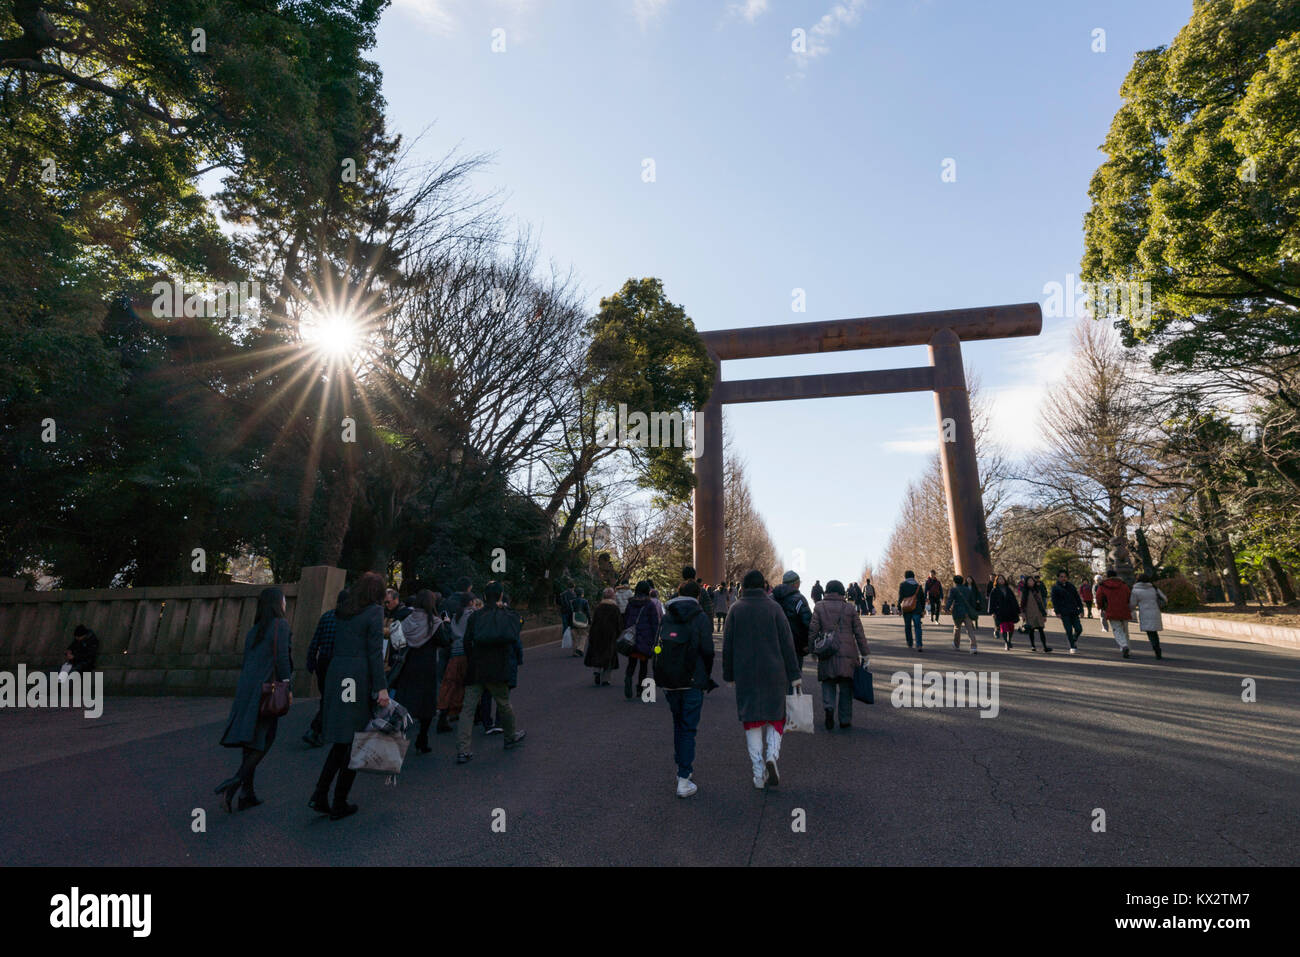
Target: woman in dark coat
606 623
415 681
758 656
1004 608
643 614
359 659
266 656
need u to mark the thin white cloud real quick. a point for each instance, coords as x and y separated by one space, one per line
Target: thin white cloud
749 10
434 15
647 10
832 21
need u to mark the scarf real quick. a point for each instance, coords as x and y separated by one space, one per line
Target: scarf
416 629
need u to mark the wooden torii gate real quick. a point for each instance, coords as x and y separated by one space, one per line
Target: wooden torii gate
945 376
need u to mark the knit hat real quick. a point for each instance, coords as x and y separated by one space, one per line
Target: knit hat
789 578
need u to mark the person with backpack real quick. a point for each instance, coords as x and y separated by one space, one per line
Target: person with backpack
797 612
1068 605
835 621
911 597
933 595
642 616
683 668
451 692
492 650
1033 608
869 596
963 604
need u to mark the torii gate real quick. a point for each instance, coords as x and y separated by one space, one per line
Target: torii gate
944 376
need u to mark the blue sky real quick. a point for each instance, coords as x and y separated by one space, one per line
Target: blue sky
776 170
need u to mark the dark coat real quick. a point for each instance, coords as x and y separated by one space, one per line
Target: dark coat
758 655
491 639
835 614
906 590
414 681
359 655
1003 605
1065 599
797 613
687 612
647 624
606 623
84 651
269 656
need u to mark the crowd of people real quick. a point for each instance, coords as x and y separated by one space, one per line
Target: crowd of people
449 660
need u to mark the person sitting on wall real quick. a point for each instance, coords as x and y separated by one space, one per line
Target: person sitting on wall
81 653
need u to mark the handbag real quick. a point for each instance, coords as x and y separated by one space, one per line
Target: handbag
378 752
799 712
863 690
626 643
826 645
908 604
275 694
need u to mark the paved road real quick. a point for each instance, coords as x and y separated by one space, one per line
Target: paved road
1186 773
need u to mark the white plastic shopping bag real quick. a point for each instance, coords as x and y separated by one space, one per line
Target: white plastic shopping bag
799 712
567 640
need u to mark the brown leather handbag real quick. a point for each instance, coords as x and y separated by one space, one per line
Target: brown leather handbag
275 694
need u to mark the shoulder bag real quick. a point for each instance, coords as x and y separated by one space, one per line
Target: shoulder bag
275 693
626 643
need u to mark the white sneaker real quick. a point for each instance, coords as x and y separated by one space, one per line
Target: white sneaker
686 787
760 780
1072 650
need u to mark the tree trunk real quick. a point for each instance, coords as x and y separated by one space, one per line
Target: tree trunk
1144 553
1283 582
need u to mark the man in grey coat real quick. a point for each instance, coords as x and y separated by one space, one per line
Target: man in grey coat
758 657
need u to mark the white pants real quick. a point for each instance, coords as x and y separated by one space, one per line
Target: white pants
1120 630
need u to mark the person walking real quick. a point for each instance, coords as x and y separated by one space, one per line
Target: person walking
962 604
933 595
911 598
683 672
622 595
1085 595
1113 596
266 658
721 605
1005 609
415 682
319 653
797 611
1147 600
758 658
817 591
835 615
643 615
451 692
869 596
1068 605
1034 610
606 623
1096 597
579 621
493 649
354 684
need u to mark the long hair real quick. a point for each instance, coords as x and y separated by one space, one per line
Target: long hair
368 590
268 609
426 602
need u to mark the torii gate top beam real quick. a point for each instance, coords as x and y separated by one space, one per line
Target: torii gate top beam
875 332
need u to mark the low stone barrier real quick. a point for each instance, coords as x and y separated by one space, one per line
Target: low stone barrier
1248 631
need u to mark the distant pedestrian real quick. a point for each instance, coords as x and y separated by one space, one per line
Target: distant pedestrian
319 653
869 596
1068 606
758 657
266 658
911 603
797 611
1034 610
1147 600
835 615
493 648
644 616
579 621
354 684
622 595
1005 609
817 591
721 604
1113 597
683 672
606 623
451 692
933 595
962 604
1085 595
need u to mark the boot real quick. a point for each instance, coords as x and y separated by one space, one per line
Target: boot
772 742
1155 644
830 718
444 725
754 742
627 684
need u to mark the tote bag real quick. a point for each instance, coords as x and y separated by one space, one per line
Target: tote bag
799 712
862 688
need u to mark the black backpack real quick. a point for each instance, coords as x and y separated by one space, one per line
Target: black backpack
675 653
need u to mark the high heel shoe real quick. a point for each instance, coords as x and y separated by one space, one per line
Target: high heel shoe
320 802
248 800
228 789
